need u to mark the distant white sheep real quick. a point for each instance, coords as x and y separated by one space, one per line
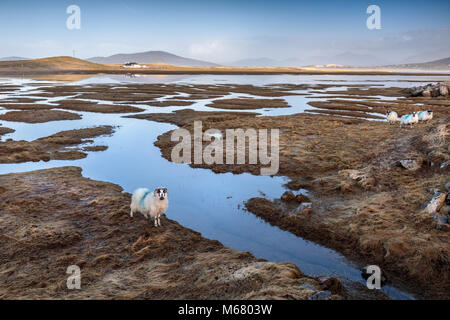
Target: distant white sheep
425 115
409 119
392 116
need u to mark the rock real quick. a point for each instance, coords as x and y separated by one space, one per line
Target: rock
301 198
432 190
332 284
410 164
288 196
426 93
308 287
304 208
430 90
432 206
363 178
435 92
416 92
431 153
445 164
447 186
321 295
447 199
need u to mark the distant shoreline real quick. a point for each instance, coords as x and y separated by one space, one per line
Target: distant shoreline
221 72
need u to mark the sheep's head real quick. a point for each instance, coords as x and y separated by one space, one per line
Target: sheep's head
161 193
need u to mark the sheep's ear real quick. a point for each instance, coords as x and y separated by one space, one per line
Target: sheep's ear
155 192
165 190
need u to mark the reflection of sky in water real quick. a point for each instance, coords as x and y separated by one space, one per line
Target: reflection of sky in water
199 199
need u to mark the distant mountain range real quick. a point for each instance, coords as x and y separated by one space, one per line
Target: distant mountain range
13 59
151 57
441 64
346 58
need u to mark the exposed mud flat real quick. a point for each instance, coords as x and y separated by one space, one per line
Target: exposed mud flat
55 218
5 130
39 116
188 116
77 105
24 106
245 104
64 145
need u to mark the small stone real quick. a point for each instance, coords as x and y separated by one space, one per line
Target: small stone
288 196
426 93
432 190
443 90
447 186
333 284
445 164
321 295
432 206
304 209
410 164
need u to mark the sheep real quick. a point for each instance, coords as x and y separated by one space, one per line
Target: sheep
150 204
425 115
409 119
392 116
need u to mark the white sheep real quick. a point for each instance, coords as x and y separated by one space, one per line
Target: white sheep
425 115
409 119
150 204
392 116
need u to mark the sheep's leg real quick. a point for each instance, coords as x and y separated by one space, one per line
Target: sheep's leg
131 213
156 221
159 220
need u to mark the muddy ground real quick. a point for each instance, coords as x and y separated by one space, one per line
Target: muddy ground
244 104
39 116
52 219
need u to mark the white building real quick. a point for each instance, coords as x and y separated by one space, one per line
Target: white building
133 65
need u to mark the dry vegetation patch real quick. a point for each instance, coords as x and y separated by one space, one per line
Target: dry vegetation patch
39 116
59 146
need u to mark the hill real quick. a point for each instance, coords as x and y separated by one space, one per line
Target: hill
13 58
441 64
151 57
52 64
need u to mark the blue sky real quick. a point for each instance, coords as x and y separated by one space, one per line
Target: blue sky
222 31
